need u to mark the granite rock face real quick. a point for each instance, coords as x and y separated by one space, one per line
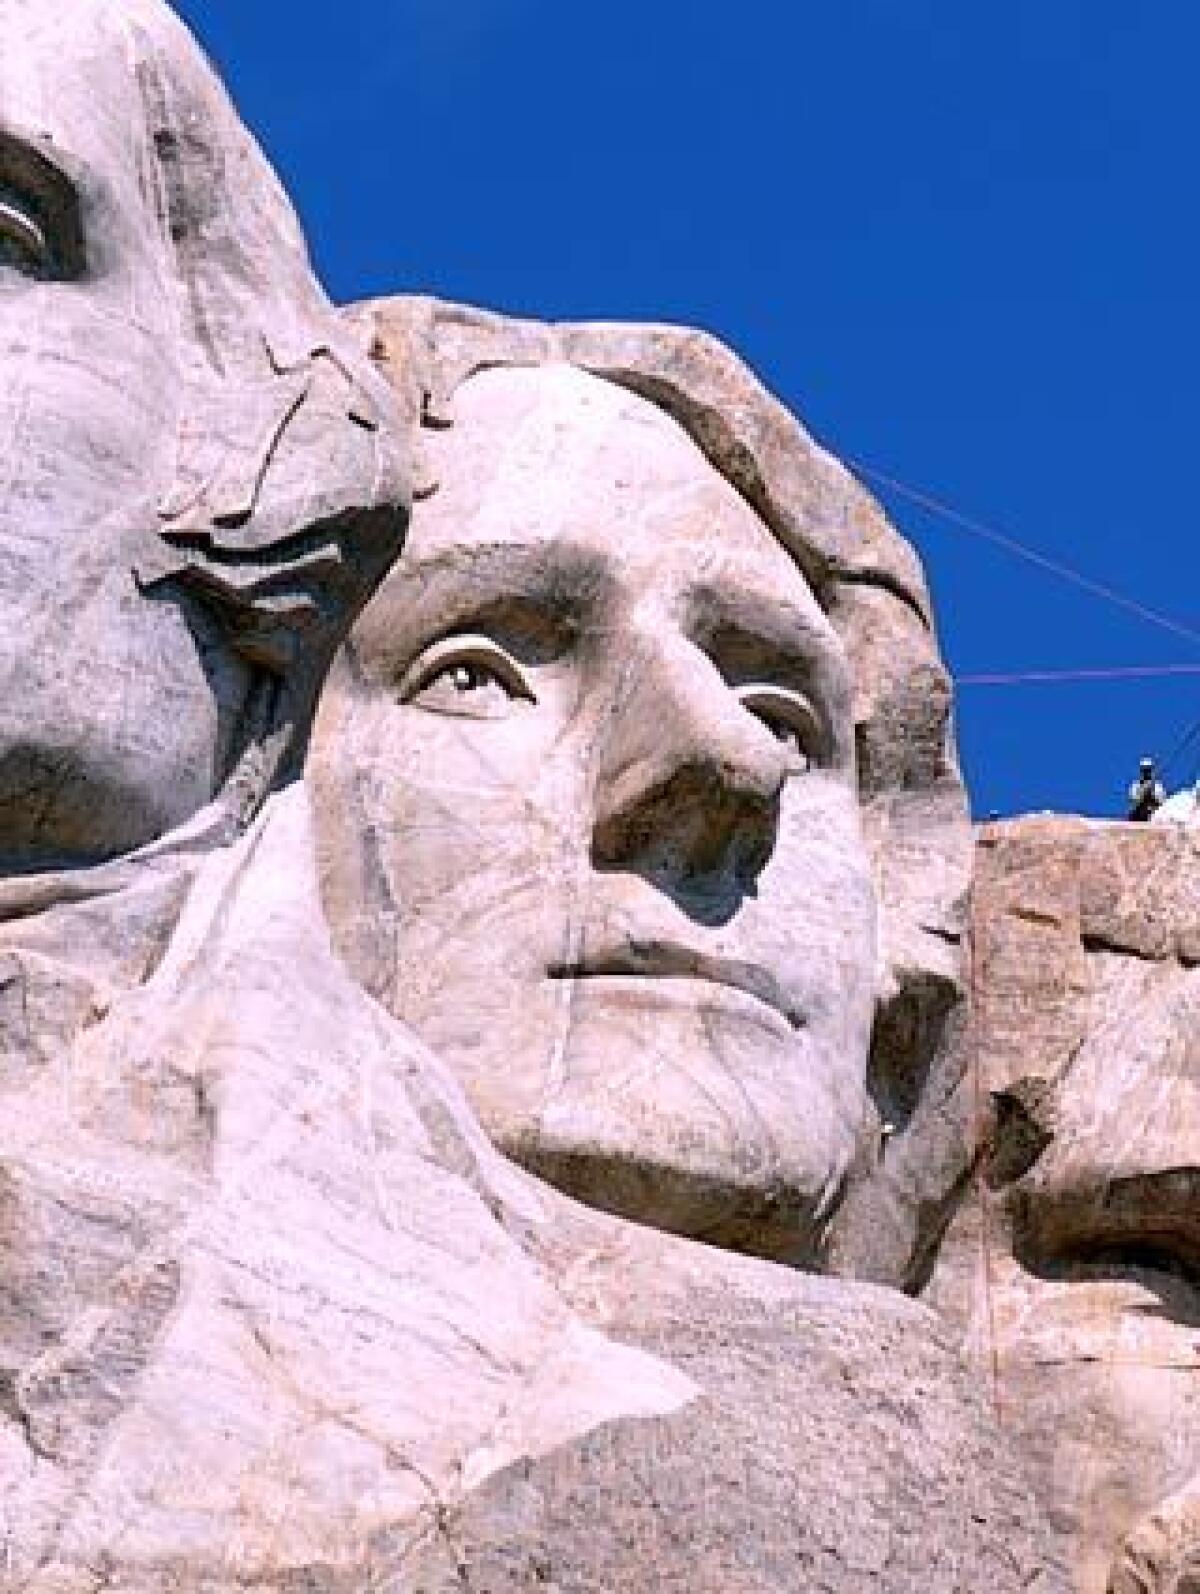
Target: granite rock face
335 1256
175 564
278 1316
1075 1260
821 1477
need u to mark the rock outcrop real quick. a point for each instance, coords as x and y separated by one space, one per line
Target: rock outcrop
277 1316
1077 1257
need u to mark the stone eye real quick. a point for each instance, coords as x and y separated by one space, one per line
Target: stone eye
791 719
24 246
470 676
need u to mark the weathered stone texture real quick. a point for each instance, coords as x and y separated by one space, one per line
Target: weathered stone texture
1076 1258
370 1124
818 1470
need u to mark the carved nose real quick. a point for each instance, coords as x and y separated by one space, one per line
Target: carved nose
689 781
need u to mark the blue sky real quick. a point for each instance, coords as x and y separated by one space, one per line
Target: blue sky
960 239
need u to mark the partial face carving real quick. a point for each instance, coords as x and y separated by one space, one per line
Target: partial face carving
1074 1266
160 333
109 731
1097 1312
585 779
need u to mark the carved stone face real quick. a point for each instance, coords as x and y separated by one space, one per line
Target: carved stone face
585 778
108 727
1077 1260
178 410
1097 1332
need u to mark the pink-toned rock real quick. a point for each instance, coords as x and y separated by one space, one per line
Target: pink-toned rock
1076 1258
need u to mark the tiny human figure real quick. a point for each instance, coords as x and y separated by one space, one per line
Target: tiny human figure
1147 793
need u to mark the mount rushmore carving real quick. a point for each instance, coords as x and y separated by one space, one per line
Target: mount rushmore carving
494 1032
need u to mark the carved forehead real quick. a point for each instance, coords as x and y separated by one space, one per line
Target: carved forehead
120 85
539 453
66 82
119 95
31 29
559 410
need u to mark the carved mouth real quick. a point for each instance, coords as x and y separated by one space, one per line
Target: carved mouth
666 960
1145 1225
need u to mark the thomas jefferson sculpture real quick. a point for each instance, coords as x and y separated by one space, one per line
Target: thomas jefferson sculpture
587 794
590 780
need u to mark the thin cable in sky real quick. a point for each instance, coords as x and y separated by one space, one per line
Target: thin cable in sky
1001 539
1121 672
1181 747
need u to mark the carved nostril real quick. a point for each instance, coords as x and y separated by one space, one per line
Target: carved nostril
689 783
756 845
696 829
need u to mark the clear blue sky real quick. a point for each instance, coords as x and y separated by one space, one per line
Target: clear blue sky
960 237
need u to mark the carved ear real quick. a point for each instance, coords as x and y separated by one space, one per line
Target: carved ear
290 502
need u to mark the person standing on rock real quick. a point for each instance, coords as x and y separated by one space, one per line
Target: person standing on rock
1146 795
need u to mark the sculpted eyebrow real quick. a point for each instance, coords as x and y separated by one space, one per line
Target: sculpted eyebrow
34 181
782 634
556 578
552 588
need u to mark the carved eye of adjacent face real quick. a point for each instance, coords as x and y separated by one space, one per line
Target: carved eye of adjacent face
42 233
791 719
24 246
469 676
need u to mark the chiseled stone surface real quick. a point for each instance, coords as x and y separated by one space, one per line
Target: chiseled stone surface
261 1290
830 1428
276 1313
278 1316
202 473
682 857
1075 1260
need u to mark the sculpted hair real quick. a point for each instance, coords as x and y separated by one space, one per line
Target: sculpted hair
288 481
